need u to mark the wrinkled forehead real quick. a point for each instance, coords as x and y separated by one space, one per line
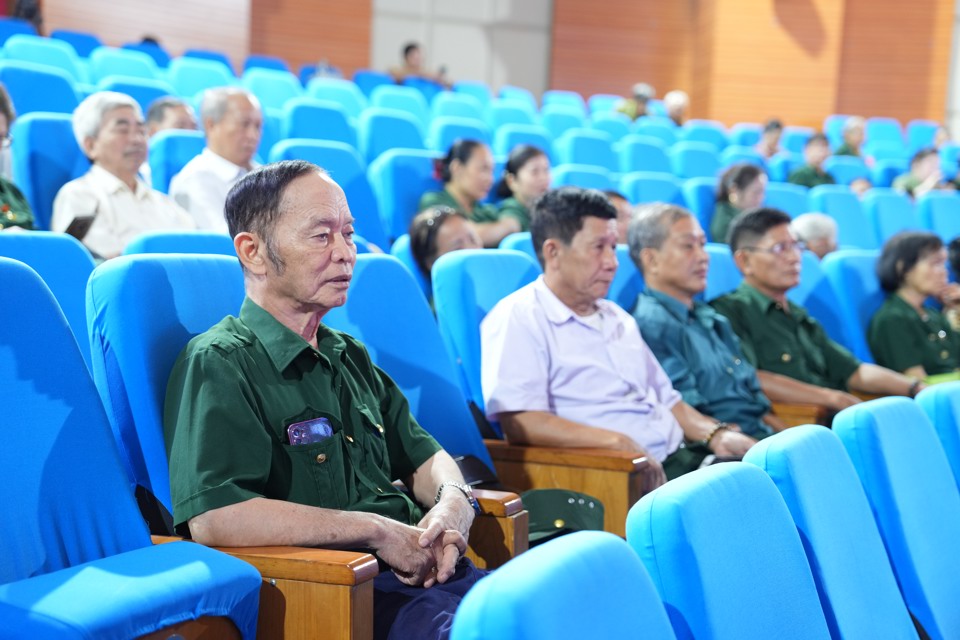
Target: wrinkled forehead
316 196
779 233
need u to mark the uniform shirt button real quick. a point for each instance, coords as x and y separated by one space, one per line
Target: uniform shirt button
321 458
786 357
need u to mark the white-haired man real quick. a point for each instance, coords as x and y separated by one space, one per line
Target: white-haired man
110 205
233 123
816 230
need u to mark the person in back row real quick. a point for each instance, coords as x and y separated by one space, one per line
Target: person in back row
624 213
854 129
15 212
693 343
526 177
561 366
233 122
110 205
815 153
467 175
780 337
170 112
769 143
924 175
741 187
437 231
906 334
817 231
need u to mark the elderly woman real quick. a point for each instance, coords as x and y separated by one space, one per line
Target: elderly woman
15 211
110 205
742 187
439 230
906 334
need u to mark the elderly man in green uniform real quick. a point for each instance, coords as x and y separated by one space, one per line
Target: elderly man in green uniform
779 337
815 153
694 344
281 431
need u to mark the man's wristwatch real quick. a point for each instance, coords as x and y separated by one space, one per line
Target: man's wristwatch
465 489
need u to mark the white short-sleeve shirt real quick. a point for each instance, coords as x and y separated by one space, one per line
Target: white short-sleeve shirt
202 186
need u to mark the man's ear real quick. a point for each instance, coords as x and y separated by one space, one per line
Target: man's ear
649 258
251 252
88 144
551 249
742 259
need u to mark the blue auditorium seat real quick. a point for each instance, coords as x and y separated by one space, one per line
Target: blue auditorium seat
518 94
780 166
745 134
853 275
504 112
700 196
210 56
833 129
920 134
681 531
269 132
884 172
855 582
317 119
272 87
368 79
508 136
347 168
818 294
78 559
939 211
794 139
45 158
884 150
46 51
627 282
643 153
343 91
181 242
560 118
36 87
649 186
402 99
445 130
722 275
614 124
581 175
694 160
791 198
107 61
190 75
884 129
140 89
735 154
706 131
915 501
603 102
586 147
399 178
380 129
14 26
459 105
662 128
941 403
533 595
170 150
83 43
846 169
570 99
519 241
841 204
889 212
155 51
479 90
260 61
428 87
401 251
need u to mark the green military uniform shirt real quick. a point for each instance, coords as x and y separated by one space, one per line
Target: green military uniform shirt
846 150
513 208
906 183
899 339
723 215
235 390
810 177
14 208
789 343
481 212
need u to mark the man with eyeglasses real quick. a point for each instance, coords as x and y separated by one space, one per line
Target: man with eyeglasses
796 362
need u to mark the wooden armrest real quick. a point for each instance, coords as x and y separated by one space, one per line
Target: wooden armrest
309 565
794 415
605 459
500 504
165 539
501 531
863 395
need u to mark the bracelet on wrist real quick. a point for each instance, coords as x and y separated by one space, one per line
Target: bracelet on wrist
914 388
717 428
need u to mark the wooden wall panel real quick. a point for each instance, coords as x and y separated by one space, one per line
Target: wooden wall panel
305 31
223 25
896 59
608 46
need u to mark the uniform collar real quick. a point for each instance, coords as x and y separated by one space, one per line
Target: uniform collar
282 345
556 311
702 313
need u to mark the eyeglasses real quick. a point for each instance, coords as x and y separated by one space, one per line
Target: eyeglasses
780 248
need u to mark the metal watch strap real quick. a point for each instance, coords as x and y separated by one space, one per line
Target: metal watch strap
464 489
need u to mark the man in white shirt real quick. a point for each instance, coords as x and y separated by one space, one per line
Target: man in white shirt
563 367
110 205
233 123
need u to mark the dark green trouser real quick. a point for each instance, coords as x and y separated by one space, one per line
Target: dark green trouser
687 458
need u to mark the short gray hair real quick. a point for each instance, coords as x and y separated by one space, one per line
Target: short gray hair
676 98
853 122
157 110
88 116
650 227
214 103
814 226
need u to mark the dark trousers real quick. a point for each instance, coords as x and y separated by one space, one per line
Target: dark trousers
689 457
402 612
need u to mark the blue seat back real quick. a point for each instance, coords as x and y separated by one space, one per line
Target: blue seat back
367 80
700 196
37 87
142 90
141 312
858 591
794 139
662 128
520 241
65 265
648 186
884 172
587 176
45 158
402 99
466 286
269 132
915 501
920 134
722 275
401 251
745 134
939 211
210 55
643 153
846 169
339 90
890 212
399 179
260 61
189 75
735 154
318 119
821 299
780 166
457 105
428 87
387 314
707 131
559 118
158 53
45 51
445 130
503 112
886 151
181 242
520 95
64 494
694 160
380 129
603 102
949 157
533 594
569 99
348 170
586 147
478 90
614 124
884 130
833 129
841 204
941 403
14 26
791 198
272 87
627 283
83 43
680 531
854 273
107 61
170 150
508 136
